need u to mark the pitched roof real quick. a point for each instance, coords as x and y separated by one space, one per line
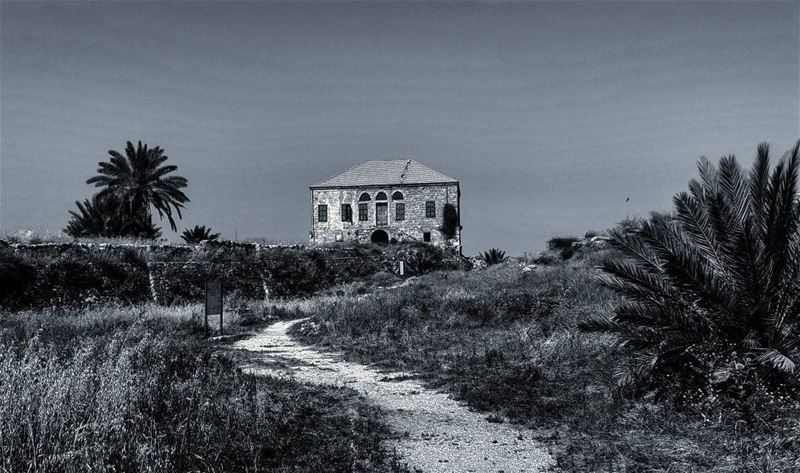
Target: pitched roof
386 173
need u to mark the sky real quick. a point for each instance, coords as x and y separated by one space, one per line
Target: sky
556 118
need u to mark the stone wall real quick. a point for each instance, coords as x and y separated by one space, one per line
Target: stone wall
410 229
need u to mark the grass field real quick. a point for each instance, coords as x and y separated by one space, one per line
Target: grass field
505 341
139 389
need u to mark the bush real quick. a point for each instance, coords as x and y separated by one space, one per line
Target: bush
77 274
494 256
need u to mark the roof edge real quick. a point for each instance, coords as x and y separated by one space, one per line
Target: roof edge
318 186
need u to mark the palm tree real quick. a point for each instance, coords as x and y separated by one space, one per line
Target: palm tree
140 181
106 217
493 256
717 281
197 234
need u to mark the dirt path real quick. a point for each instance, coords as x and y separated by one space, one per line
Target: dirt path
434 432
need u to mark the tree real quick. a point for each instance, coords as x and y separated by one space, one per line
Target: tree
106 216
197 234
140 181
716 282
449 221
493 256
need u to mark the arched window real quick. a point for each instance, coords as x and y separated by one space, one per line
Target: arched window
364 197
397 195
381 196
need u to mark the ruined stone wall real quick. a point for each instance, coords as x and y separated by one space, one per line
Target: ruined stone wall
410 229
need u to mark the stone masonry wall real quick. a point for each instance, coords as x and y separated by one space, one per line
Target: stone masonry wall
410 229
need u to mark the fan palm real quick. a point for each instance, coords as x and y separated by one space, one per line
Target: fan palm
140 181
718 280
105 216
494 256
197 234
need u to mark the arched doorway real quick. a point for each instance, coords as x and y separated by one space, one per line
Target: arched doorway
380 237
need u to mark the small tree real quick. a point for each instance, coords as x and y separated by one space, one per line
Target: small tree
197 234
716 288
449 221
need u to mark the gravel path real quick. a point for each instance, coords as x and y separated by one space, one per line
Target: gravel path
434 432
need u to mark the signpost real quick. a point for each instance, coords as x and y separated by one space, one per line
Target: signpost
213 302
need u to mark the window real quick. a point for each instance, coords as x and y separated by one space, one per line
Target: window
363 213
381 196
430 209
322 213
399 211
347 213
397 196
426 237
364 197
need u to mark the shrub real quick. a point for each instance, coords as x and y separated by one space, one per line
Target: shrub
714 290
197 234
494 256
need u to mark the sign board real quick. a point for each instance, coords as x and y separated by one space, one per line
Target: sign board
213 302
213 297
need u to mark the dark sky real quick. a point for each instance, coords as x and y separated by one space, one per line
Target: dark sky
550 114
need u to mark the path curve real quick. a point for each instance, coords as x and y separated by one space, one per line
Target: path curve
434 432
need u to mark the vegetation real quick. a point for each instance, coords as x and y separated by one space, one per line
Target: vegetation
449 221
494 256
197 234
506 342
130 186
105 216
141 181
713 294
134 390
77 275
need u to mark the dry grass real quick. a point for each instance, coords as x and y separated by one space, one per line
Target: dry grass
137 389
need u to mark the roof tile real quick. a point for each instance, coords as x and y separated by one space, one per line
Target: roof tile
381 173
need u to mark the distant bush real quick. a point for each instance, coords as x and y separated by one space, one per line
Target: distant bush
494 256
67 274
72 277
565 246
197 234
16 277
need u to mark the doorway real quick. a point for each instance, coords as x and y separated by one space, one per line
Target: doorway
381 215
380 237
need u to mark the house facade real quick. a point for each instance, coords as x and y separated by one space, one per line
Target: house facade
387 201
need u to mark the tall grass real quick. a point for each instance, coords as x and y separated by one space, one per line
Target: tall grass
136 389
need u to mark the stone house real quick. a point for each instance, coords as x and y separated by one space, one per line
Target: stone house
383 201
